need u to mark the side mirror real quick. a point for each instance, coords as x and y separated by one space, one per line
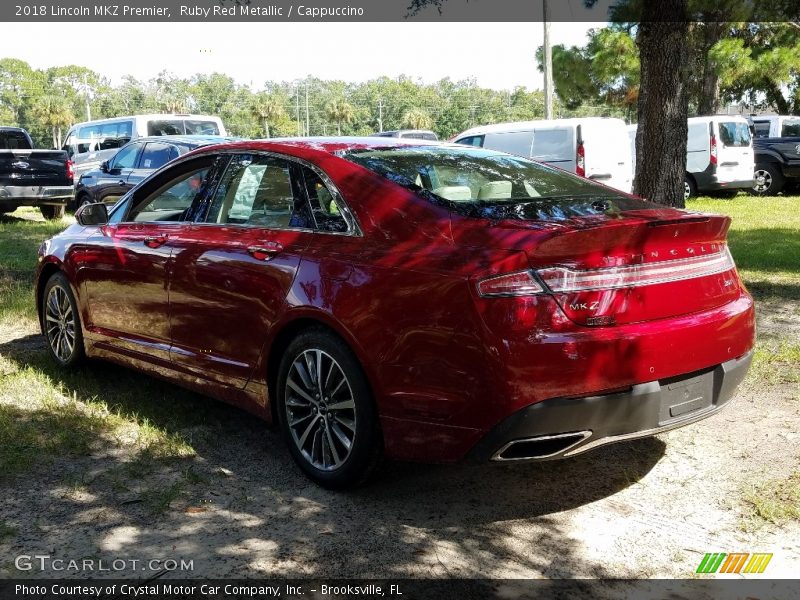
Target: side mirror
104 166
92 214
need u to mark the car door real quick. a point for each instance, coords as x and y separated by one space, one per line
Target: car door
125 265
233 271
112 182
154 155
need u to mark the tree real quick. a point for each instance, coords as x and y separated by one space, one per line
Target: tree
417 119
663 102
339 111
268 108
55 113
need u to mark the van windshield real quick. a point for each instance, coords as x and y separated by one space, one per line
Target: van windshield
182 127
467 179
734 134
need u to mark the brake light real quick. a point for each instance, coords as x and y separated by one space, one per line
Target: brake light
714 150
560 279
521 283
564 280
70 170
580 160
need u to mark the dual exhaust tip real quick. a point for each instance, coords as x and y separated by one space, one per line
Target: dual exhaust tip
540 447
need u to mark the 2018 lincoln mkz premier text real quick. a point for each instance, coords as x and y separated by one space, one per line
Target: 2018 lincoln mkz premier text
422 301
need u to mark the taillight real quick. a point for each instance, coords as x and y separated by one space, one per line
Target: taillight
580 160
560 279
714 150
70 170
521 283
564 280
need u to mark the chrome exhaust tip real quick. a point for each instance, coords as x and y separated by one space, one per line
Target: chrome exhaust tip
540 447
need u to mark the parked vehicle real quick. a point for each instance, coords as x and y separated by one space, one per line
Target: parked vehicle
773 126
431 301
132 163
28 177
593 147
777 164
90 143
719 156
416 134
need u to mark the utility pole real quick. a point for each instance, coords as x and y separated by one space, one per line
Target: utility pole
308 127
380 115
548 64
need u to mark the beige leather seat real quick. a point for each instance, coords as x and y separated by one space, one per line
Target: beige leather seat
495 190
456 193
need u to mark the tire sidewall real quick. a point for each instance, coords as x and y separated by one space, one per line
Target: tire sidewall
367 445
60 280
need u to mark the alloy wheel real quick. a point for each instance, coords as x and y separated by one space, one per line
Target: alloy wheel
687 190
762 181
320 409
60 323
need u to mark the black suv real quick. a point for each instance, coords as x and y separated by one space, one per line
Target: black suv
135 161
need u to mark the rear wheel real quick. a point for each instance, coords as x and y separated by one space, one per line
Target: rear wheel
767 180
81 200
326 411
62 325
52 212
689 188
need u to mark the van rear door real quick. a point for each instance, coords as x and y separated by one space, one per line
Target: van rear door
555 146
735 160
608 152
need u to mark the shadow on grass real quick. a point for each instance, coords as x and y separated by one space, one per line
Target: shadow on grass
263 512
768 250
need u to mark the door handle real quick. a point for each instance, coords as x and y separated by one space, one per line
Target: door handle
154 241
265 250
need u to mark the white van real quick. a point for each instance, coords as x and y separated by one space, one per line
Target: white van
90 143
594 147
719 155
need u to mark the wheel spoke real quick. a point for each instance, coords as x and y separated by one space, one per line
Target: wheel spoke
300 392
299 420
348 404
304 437
332 446
304 376
349 423
341 436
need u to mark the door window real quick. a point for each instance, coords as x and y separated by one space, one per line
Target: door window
473 140
324 204
126 158
157 154
172 200
761 129
260 191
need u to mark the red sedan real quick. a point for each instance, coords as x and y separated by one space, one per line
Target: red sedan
425 301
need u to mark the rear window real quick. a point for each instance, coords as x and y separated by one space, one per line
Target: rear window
182 127
552 144
734 134
791 128
464 177
14 140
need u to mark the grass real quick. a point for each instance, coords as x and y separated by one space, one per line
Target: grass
776 501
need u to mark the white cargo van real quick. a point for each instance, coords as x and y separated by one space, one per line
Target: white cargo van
593 147
719 155
90 143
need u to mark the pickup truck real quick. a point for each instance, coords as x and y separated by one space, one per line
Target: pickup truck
28 177
777 164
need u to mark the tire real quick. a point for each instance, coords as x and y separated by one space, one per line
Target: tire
727 194
81 200
316 433
689 188
61 322
768 180
52 213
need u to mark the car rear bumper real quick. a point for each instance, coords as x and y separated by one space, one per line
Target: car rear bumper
562 427
36 194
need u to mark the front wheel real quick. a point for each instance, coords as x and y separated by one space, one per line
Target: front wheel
326 411
52 213
62 325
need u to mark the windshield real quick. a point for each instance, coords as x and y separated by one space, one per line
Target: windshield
473 176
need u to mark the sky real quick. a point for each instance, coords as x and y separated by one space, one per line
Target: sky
497 55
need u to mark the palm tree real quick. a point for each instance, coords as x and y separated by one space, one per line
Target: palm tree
55 113
339 111
417 118
268 108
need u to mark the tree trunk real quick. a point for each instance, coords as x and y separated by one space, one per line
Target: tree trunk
338 128
663 103
708 102
266 127
53 131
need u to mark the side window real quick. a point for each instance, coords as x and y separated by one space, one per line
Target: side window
126 158
172 200
156 155
260 191
761 129
473 140
326 210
